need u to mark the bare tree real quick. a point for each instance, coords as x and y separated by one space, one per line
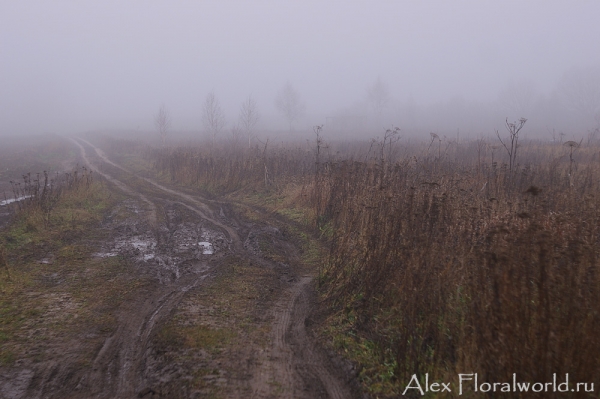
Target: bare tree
248 117
289 103
378 96
162 121
512 143
212 116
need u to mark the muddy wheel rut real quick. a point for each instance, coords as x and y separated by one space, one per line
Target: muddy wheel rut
171 245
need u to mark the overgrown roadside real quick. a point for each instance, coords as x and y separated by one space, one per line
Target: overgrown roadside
437 264
51 292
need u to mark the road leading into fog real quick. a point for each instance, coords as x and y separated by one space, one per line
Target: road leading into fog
287 364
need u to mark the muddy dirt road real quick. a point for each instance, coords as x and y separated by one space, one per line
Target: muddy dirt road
224 313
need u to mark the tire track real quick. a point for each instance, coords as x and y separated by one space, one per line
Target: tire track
119 363
122 186
315 360
290 368
198 207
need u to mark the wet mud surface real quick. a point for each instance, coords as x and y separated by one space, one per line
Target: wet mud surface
218 308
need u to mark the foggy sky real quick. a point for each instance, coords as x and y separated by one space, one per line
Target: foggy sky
67 66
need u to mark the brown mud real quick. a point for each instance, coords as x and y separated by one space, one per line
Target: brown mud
223 310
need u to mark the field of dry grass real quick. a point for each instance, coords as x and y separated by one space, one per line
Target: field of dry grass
433 258
441 259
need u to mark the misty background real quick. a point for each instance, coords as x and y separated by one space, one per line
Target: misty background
358 67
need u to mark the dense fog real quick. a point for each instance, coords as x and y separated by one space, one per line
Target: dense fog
456 68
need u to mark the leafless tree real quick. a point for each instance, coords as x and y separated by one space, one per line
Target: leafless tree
316 197
289 103
162 121
268 180
248 117
212 116
512 143
378 96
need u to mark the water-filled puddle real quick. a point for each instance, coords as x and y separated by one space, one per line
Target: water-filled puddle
10 201
104 254
145 247
140 243
207 248
142 247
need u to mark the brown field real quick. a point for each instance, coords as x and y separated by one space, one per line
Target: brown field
431 258
440 260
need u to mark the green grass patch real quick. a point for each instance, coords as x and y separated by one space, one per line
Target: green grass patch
194 337
378 367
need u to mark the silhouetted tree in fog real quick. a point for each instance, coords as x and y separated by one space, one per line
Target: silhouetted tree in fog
379 97
248 117
162 121
212 116
289 103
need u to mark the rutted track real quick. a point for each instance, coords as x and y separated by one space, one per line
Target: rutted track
118 367
290 367
119 184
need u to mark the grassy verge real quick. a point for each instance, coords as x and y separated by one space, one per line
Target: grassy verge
52 291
